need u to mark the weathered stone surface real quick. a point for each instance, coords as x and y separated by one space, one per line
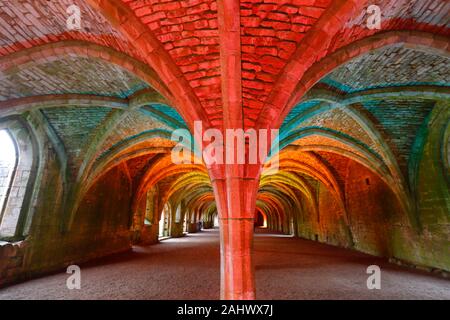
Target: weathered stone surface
363 114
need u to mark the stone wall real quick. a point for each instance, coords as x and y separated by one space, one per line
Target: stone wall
101 227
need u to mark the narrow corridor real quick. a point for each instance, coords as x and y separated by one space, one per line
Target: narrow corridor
187 268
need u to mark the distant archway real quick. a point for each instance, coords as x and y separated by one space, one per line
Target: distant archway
164 222
18 169
8 169
260 220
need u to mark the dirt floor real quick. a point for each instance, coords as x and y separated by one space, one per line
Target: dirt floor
188 268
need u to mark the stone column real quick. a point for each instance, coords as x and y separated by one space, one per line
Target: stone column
236 201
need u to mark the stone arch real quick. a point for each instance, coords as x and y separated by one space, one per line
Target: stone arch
340 144
158 143
285 101
48 52
21 105
380 154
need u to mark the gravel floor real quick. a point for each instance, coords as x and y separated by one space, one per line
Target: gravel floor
188 268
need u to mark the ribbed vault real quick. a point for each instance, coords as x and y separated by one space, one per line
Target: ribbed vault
361 113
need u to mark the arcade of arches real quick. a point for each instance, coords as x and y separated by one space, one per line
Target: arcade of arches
86 117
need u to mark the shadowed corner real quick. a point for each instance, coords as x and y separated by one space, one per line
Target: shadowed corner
93 96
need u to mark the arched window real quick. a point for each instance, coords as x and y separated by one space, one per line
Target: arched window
164 222
178 214
8 169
